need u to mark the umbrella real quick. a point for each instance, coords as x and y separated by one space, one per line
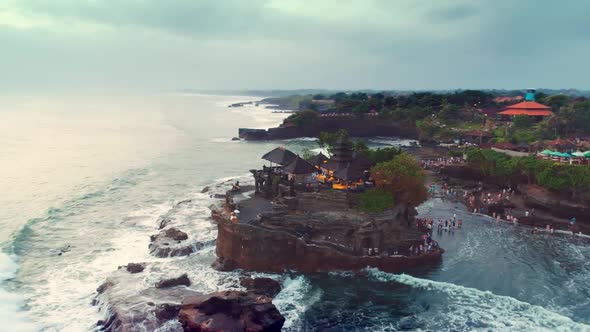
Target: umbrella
587 154
546 152
578 154
318 160
280 156
299 166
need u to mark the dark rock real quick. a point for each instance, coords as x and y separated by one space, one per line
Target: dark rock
170 243
166 283
186 201
167 311
261 286
138 310
135 267
176 234
230 311
205 190
224 264
235 139
102 288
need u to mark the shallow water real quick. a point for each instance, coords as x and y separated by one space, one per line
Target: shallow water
90 176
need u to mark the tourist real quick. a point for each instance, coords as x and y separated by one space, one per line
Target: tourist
526 213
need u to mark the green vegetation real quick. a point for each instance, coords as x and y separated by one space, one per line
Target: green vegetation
303 118
574 179
445 116
327 140
375 200
403 178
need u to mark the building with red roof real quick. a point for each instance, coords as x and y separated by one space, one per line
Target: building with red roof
528 107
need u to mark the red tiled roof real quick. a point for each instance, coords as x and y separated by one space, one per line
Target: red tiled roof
528 105
526 112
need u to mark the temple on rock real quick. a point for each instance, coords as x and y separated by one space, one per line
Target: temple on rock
287 172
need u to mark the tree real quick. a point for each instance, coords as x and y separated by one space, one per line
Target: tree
403 178
449 113
360 146
303 118
327 140
556 102
522 121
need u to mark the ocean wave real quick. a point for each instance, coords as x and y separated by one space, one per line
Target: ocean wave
470 309
294 299
12 313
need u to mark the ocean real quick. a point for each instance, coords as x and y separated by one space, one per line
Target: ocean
86 178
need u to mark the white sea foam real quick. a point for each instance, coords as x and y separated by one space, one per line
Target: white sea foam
471 309
11 305
294 299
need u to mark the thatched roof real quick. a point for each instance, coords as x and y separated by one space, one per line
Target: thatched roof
318 160
299 166
280 156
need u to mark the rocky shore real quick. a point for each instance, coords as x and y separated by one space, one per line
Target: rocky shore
158 295
356 127
550 208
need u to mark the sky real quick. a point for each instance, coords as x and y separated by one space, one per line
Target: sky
67 45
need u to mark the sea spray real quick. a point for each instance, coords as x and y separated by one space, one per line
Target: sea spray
465 308
294 299
11 305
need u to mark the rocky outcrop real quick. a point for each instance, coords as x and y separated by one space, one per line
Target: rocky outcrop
357 127
173 282
315 241
543 199
261 286
230 311
172 242
130 304
129 310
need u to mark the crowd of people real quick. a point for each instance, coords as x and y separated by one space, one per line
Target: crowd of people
438 162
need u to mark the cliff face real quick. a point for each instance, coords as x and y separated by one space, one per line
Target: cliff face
310 240
357 127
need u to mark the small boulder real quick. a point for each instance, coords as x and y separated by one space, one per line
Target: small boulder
135 267
167 311
176 234
173 282
170 243
205 190
261 286
235 138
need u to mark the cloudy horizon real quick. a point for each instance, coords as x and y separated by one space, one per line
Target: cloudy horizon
271 44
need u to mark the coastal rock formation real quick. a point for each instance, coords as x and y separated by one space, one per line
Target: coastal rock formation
261 286
173 282
310 238
172 242
134 267
356 127
230 311
143 310
543 199
129 303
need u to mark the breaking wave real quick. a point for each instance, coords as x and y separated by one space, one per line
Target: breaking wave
468 309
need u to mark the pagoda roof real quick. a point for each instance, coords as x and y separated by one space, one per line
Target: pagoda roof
299 166
528 105
280 156
529 108
318 160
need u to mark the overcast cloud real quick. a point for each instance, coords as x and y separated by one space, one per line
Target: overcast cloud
260 44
